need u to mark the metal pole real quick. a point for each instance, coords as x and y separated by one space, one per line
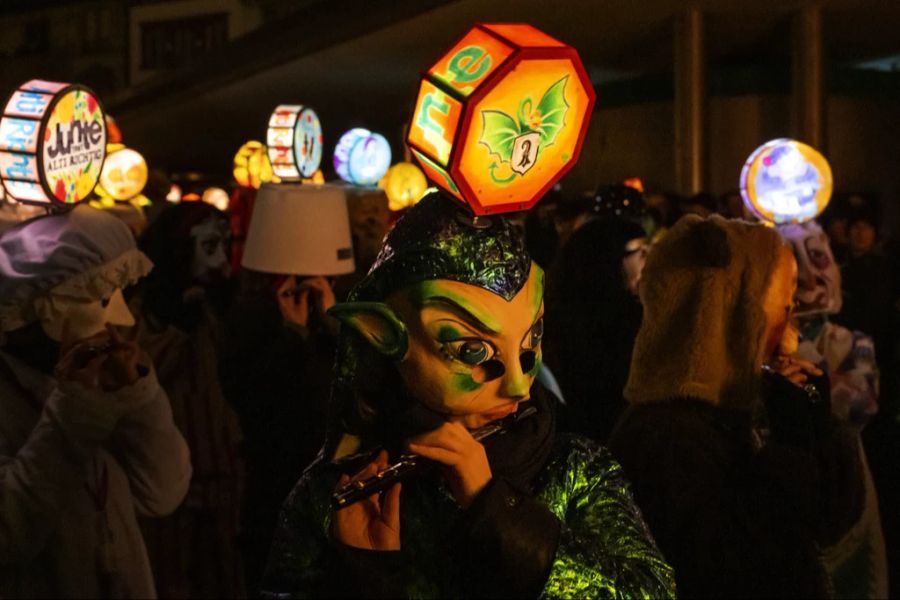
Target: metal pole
808 75
690 102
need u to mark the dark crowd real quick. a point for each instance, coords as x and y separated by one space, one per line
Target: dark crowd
166 446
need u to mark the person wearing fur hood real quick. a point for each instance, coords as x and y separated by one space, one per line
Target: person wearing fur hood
737 463
87 440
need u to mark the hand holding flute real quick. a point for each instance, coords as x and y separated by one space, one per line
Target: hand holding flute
373 523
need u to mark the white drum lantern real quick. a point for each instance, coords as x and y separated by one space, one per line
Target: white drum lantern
52 143
294 142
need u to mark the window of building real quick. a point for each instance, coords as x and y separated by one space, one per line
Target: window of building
168 44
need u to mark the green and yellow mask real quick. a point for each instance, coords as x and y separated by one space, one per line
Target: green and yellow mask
447 325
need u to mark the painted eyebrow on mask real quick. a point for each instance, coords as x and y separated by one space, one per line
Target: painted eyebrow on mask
466 313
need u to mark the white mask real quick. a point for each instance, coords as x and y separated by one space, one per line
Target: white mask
210 250
819 276
86 317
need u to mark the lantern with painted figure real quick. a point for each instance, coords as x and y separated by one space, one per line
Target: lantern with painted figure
501 117
124 174
251 167
52 143
786 181
362 157
404 184
294 142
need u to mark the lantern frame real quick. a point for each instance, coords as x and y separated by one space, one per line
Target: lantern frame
518 54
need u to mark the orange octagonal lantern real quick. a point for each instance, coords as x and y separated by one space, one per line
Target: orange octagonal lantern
501 117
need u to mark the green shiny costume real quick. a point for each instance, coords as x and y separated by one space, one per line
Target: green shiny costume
572 530
605 550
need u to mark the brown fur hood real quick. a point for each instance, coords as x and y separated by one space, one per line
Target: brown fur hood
702 291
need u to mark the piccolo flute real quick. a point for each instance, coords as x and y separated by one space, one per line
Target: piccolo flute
411 464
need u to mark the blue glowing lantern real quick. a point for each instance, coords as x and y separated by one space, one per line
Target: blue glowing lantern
362 157
786 181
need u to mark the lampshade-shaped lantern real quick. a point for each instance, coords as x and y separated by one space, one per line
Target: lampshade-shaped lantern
294 142
501 116
300 230
52 143
786 181
362 157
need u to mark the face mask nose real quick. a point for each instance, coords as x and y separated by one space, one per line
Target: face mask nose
516 384
117 311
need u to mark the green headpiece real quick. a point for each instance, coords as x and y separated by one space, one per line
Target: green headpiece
436 239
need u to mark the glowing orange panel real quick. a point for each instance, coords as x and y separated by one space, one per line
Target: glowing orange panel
434 122
518 132
521 134
524 35
471 61
435 173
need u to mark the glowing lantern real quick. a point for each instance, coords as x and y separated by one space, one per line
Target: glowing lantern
52 143
318 178
404 184
635 183
124 173
294 142
786 181
174 195
217 197
251 165
113 133
362 157
501 117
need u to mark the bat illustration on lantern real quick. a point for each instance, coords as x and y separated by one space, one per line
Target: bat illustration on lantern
517 140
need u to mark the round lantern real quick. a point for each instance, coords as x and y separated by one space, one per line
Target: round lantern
786 181
251 165
501 117
217 197
362 157
52 143
124 173
404 184
294 142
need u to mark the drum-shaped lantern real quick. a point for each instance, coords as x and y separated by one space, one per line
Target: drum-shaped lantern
52 143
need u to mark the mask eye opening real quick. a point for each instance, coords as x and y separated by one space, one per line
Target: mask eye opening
528 360
489 370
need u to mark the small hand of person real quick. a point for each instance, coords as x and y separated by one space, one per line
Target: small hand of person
105 361
796 370
323 299
293 302
373 523
466 465
323 295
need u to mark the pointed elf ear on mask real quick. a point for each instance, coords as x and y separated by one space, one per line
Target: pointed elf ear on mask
377 323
